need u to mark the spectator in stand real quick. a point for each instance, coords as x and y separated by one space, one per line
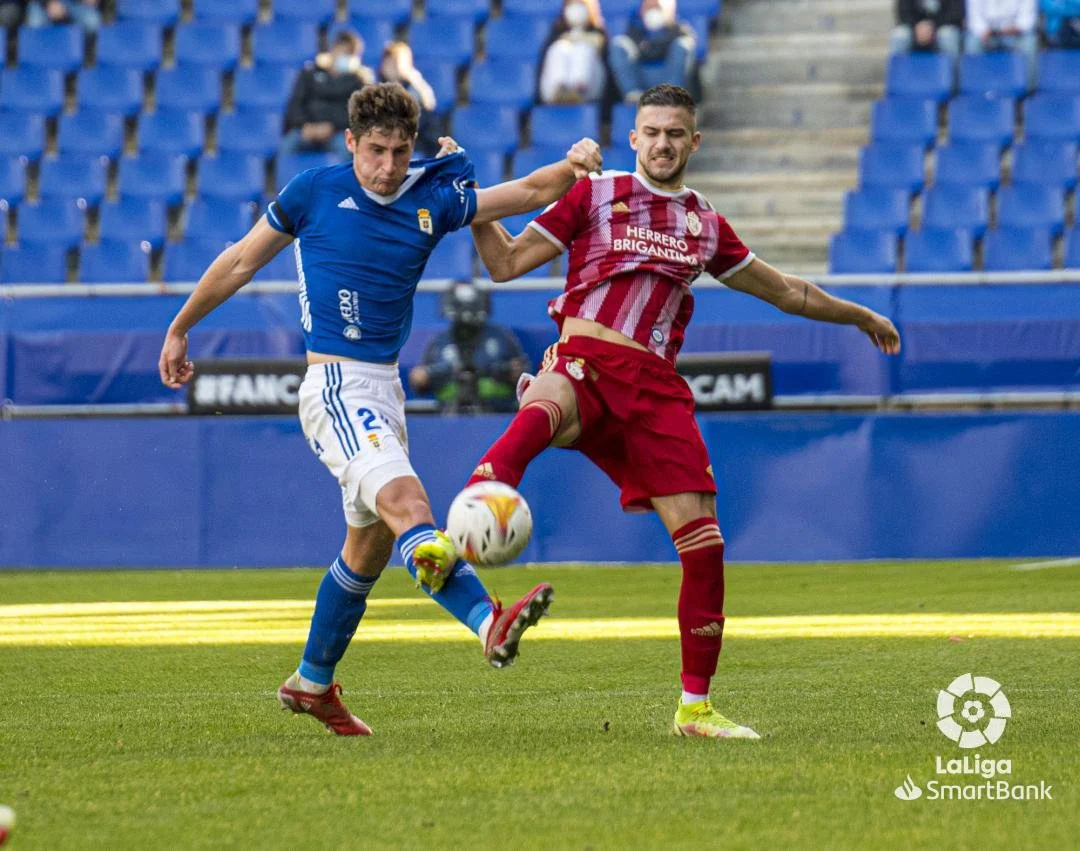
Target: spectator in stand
928 25
85 13
317 114
657 48
397 66
1003 25
1061 22
11 13
573 66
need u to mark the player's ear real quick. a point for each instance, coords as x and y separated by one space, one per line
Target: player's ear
633 139
695 141
350 141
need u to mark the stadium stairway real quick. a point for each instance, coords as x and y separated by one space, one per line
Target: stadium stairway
789 87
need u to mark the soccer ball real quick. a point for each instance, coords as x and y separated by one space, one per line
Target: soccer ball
489 523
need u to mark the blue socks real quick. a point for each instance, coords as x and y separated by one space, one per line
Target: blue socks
463 595
339 605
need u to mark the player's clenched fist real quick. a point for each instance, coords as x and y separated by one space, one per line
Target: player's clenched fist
585 157
176 370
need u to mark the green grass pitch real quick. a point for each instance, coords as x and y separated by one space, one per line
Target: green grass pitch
128 743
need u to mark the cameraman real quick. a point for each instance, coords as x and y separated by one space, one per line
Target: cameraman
474 365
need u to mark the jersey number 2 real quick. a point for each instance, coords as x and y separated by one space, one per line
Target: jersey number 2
369 419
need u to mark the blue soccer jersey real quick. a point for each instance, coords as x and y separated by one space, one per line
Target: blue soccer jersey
359 256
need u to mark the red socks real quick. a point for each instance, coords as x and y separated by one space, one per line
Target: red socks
529 434
701 601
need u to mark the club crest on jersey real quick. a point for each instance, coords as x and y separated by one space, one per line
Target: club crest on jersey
575 369
693 223
423 219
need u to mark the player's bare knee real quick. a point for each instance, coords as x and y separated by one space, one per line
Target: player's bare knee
553 387
677 510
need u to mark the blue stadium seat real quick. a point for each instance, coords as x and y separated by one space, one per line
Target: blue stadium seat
239 12
517 37
398 11
486 127
1052 116
1059 71
250 132
1032 205
281 268
212 45
375 31
187 260
443 79
877 208
112 89
1002 73
896 165
1072 248
191 88
620 157
478 10
862 252
1045 161
489 166
938 250
528 160
1009 249
12 182
130 44
622 8
452 258
908 120
133 220
153 175
507 82
290 165
975 118
164 13
217 218
623 116
313 11
32 90
970 163
285 42
173 131
702 26
231 175
953 205
76 177
920 75
563 125
90 131
263 87
56 221
516 224
22 134
59 47
33 263
111 262
444 39
544 8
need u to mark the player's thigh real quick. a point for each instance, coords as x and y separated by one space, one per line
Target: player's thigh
555 387
678 509
367 549
402 503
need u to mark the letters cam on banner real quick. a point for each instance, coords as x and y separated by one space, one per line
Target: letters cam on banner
729 382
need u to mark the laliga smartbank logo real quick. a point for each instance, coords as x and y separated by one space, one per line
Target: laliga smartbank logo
972 712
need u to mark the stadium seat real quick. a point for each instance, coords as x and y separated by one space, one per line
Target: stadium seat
191 88
954 205
478 10
285 42
217 218
1001 73
153 175
12 182
489 166
920 75
59 47
906 120
877 208
250 132
969 163
375 31
452 258
239 12
281 268
1009 249
709 8
55 221
862 252
561 126
290 165
444 39
22 134
1072 248
504 82
528 160
32 263
975 118
263 87
164 13
317 12
231 175
187 260
622 8
1052 116
27 89
623 116
938 250
211 45
111 262
90 131
1045 161
76 177
133 220
398 11
173 131
620 157
486 127
1032 205
702 26
1059 71
548 9
516 37
443 79
896 165
130 44
111 89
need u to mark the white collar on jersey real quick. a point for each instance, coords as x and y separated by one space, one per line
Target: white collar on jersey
411 176
644 181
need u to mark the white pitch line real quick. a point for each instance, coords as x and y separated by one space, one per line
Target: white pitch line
1044 565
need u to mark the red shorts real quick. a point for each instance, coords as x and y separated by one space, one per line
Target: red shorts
637 419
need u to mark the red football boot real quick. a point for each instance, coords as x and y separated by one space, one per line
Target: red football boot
326 707
508 625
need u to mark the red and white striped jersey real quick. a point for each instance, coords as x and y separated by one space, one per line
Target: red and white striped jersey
634 252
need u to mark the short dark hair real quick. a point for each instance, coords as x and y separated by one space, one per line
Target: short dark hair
386 106
668 95
349 39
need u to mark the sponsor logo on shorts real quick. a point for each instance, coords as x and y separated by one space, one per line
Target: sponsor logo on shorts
575 369
710 630
373 439
351 332
423 219
693 223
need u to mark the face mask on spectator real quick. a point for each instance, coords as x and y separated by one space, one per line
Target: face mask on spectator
345 64
576 16
654 19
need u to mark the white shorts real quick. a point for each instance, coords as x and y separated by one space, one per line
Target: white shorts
353 416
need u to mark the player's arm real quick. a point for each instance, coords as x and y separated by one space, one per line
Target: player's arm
233 267
798 296
507 257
